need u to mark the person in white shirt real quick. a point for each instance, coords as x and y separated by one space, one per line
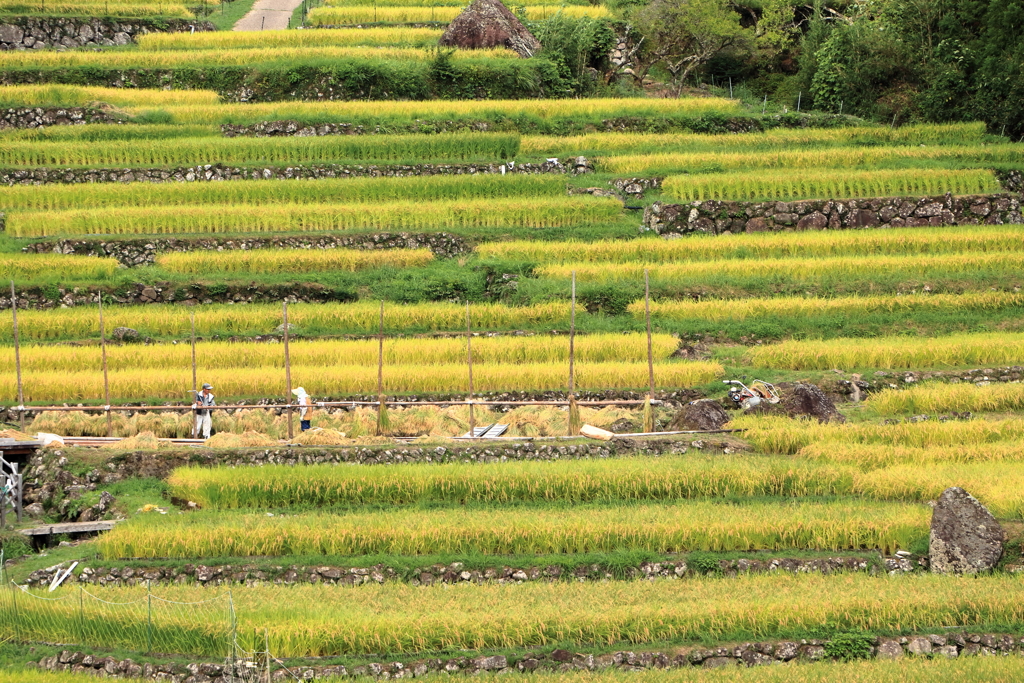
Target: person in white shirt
203 420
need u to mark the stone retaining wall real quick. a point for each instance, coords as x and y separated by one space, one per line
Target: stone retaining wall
142 252
40 117
36 33
746 654
214 172
715 217
456 572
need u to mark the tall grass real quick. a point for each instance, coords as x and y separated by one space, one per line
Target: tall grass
942 397
216 57
312 620
31 266
342 380
99 132
363 14
291 150
891 352
836 157
87 8
876 456
234 40
814 244
908 265
595 348
802 307
82 95
291 260
787 436
55 197
659 528
228 320
545 212
408 111
778 139
807 184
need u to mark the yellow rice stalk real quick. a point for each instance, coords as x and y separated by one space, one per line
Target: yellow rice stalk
383 420
590 348
243 440
891 352
170 59
781 138
144 441
361 317
876 456
291 260
648 416
16 435
836 157
29 266
796 267
343 380
341 16
411 110
78 95
321 437
502 214
794 307
575 422
234 40
942 397
756 246
87 8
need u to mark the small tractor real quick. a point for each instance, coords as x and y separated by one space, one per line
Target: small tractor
747 397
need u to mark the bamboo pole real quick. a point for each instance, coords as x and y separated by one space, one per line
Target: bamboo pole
469 361
383 421
287 371
106 378
648 410
195 384
17 357
574 422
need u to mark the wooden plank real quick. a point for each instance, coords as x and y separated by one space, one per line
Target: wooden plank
70 528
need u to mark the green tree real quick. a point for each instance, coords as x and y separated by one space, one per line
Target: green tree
682 35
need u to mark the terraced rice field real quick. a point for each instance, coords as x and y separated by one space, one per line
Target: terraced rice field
413 224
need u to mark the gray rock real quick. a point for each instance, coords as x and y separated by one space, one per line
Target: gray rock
126 334
809 400
965 537
704 414
9 33
919 646
34 510
890 649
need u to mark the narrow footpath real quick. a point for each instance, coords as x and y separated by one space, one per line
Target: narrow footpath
267 15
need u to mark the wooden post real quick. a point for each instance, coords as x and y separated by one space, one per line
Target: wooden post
380 357
287 371
650 349
17 357
195 386
106 380
469 360
572 339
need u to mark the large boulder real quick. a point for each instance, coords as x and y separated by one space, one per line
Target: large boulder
808 400
965 537
703 415
486 24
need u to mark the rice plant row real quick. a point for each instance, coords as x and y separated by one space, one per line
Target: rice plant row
31 266
56 197
879 455
407 111
1009 262
53 95
778 138
259 319
291 260
891 352
836 157
545 212
234 40
364 14
315 620
786 436
290 150
87 8
807 184
347 380
758 246
595 348
176 59
836 525
620 480
104 132
942 398
802 307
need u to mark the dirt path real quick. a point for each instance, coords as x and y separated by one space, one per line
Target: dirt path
267 15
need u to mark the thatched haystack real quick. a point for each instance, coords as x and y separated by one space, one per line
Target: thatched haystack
487 24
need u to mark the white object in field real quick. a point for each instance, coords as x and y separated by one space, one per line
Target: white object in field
593 432
47 439
58 579
748 397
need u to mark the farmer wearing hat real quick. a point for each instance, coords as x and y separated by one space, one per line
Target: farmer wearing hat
304 411
203 420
